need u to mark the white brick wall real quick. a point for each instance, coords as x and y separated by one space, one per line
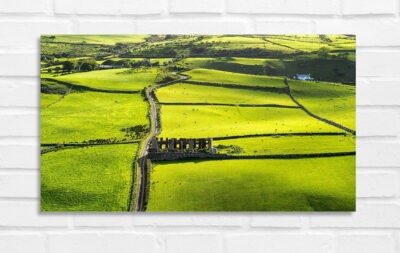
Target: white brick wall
375 227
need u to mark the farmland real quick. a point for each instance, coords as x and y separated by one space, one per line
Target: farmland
97 115
190 93
196 121
254 185
114 79
87 179
286 144
222 77
279 144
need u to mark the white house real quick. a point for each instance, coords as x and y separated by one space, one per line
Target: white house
304 77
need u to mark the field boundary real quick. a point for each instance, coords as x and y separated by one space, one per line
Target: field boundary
278 135
223 104
330 122
208 156
86 88
240 86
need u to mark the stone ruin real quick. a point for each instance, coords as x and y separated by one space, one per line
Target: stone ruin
173 148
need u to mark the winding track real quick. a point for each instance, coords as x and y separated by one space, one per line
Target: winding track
142 169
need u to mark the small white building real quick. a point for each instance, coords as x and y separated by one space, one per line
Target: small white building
303 77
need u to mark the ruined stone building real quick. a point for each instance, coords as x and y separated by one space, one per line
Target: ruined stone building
172 149
181 145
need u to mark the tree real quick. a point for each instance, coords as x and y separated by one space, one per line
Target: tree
323 52
68 66
88 65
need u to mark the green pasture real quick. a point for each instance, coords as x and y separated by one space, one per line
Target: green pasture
312 184
277 145
326 69
48 99
112 79
193 93
97 39
223 77
211 121
332 101
243 42
87 116
96 178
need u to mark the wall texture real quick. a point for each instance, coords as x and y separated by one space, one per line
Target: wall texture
375 227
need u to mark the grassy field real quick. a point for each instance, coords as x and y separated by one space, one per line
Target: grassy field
223 77
212 121
98 39
317 184
286 145
92 115
113 79
332 101
48 99
326 69
87 179
191 93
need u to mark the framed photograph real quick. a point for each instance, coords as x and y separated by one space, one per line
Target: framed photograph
198 123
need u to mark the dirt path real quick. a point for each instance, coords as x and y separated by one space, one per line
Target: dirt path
330 122
142 168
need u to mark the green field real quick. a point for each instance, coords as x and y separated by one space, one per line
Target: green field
279 145
191 93
335 69
112 79
222 77
212 121
317 184
331 101
87 116
98 39
48 99
87 179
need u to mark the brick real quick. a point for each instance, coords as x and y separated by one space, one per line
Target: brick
365 243
20 93
377 63
195 243
369 123
27 33
22 243
376 184
200 6
15 125
93 7
19 185
19 64
10 156
22 6
104 242
378 92
276 220
103 220
378 154
172 220
368 7
27 214
370 32
367 216
106 27
281 243
192 27
317 7
283 27
143 7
